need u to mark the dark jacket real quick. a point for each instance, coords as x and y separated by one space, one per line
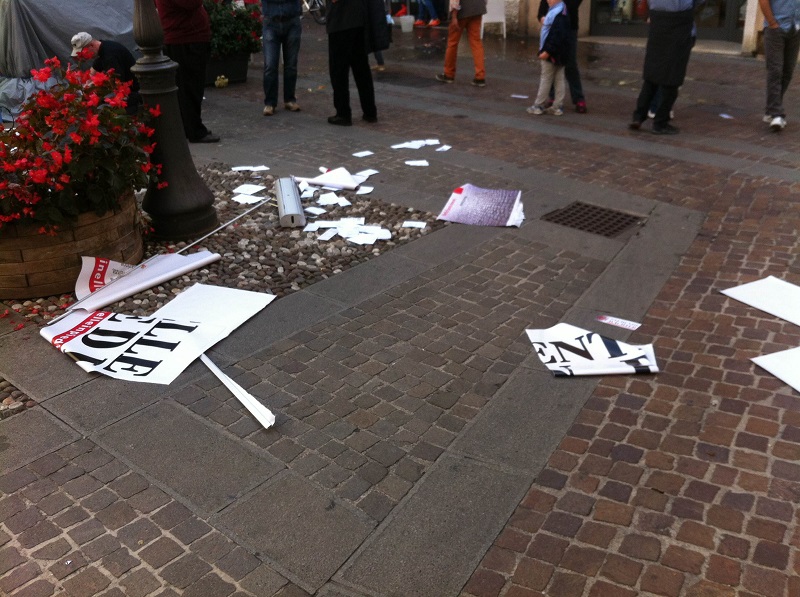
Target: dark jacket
572 11
345 14
471 8
557 43
184 21
669 44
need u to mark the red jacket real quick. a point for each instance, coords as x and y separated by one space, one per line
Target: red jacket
184 21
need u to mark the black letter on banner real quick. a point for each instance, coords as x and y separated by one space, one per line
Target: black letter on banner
581 352
88 339
134 363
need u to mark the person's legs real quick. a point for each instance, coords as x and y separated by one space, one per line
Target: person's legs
454 30
362 75
545 82
339 70
429 8
271 45
571 71
773 57
379 58
190 79
291 50
791 49
473 27
669 93
559 83
643 102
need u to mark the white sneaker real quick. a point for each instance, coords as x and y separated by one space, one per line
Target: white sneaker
778 124
651 115
538 110
555 111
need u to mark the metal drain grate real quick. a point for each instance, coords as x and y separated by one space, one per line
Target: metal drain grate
591 218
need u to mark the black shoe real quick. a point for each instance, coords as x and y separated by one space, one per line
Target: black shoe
479 82
443 78
340 121
665 129
209 138
372 119
635 124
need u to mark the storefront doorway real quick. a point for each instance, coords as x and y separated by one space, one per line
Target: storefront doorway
718 19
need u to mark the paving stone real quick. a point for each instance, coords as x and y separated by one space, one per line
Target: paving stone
87 582
184 571
139 583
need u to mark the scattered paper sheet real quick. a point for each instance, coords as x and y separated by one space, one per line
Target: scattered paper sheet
328 199
251 168
311 227
484 207
99 276
307 194
362 154
771 294
248 189
518 96
410 145
620 323
443 148
567 350
328 234
417 163
247 199
364 190
785 365
302 185
339 178
726 116
366 173
344 202
317 211
413 224
262 414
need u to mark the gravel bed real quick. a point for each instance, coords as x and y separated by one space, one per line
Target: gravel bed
257 254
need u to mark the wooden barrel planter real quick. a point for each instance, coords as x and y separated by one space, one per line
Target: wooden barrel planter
34 265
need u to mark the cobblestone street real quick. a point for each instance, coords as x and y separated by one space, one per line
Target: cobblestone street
421 448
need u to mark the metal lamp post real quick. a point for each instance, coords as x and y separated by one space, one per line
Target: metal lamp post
185 207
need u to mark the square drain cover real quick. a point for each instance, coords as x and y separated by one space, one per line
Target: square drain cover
591 218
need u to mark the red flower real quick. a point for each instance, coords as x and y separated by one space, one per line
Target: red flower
155 112
42 75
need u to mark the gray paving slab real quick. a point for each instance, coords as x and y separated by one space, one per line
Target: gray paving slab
368 279
298 526
281 318
35 367
528 417
447 243
430 545
103 400
584 243
30 435
200 463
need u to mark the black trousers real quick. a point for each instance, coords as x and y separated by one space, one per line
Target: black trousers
347 51
669 93
191 80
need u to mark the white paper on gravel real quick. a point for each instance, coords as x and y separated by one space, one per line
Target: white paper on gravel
362 154
567 350
103 279
250 168
159 347
248 189
417 163
247 199
771 294
413 224
339 179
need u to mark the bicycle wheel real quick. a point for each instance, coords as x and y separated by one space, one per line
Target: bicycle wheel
317 10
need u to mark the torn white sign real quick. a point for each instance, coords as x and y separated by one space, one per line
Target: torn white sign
473 205
568 350
771 294
98 273
157 348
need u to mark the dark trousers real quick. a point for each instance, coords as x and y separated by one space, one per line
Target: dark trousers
347 51
780 52
191 80
669 93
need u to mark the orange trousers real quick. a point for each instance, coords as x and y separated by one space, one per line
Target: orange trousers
456 28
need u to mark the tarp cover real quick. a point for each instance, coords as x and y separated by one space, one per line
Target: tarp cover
34 30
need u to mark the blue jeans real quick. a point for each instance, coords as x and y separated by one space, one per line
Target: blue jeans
277 36
426 6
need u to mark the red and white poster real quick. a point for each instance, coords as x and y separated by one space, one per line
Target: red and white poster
473 205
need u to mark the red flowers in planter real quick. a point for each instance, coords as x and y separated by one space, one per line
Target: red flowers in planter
73 149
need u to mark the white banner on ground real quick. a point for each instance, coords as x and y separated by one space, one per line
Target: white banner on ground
129 347
97 275
568 350
785 365
773 295
157 348
262 414
473 205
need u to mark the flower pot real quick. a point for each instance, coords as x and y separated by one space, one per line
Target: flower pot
34 265
234 68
